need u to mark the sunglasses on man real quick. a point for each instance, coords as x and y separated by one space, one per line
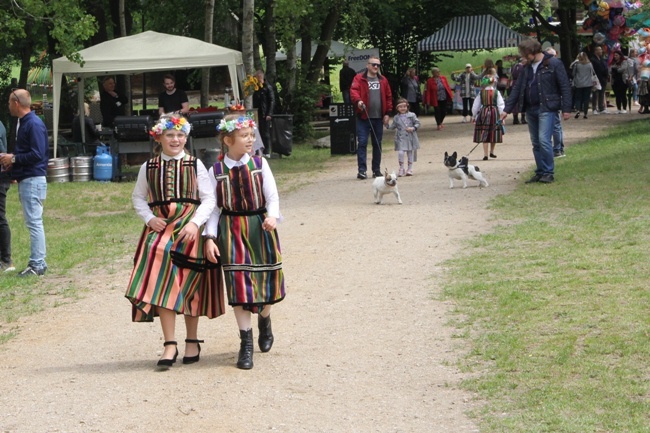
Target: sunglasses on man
376 65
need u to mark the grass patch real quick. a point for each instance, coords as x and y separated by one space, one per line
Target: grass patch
453 61
555 301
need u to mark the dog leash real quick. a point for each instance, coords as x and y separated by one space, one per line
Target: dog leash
467 156
371 127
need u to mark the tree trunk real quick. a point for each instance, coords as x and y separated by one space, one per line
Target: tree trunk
127 79
205 77
325 40
247 42
269 41
566 30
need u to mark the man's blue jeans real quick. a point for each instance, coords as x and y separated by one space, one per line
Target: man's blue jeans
541 127
32 192
346 96
363 133
558 135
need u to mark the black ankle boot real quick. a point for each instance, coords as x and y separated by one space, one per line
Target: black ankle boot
245 361
265 339
523 119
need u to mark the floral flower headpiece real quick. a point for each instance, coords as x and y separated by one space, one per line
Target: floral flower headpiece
166 122
238 123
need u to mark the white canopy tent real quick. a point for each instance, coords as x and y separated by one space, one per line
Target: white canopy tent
145 52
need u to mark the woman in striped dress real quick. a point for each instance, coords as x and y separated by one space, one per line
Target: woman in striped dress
174 197
486 111
242 233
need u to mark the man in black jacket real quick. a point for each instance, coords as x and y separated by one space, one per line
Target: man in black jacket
346 75
602 72
542 90
264 101
111 104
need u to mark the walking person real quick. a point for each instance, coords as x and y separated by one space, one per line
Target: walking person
6 264
439 95
172 100
405 124
542 90
502 80
467 80
373 99
241 233
621 76
410 90
174 197
582 71
598 101
486 113
346 75
264 101
514 76
28 166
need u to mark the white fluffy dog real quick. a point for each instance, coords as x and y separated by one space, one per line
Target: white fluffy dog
386 185
462 170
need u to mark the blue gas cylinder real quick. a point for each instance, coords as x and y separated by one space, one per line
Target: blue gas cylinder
103 166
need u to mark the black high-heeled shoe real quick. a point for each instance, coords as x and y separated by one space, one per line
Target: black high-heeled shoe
193 359
164 364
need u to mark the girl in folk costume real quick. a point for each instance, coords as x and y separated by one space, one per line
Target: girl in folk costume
241 233
174 197
406 125
487 110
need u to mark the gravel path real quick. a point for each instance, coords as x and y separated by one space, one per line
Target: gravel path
362 339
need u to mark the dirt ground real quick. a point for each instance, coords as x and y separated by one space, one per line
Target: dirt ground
362 341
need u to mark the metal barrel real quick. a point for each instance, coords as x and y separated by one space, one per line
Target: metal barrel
81 168
58 170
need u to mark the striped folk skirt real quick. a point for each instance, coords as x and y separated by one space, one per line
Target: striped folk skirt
251 260
486 129
173 275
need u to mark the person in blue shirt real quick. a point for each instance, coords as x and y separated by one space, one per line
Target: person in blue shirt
27 165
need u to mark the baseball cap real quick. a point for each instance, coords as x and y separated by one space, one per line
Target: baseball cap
469 65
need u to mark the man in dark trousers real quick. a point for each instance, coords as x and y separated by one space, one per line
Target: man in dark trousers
346 75
111 103
6 264
371 95
27 165
264 101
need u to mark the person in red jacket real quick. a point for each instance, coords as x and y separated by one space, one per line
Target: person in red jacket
371 95
438 96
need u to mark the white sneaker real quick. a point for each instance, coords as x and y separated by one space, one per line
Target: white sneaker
465 119
623 111
605 111
595 112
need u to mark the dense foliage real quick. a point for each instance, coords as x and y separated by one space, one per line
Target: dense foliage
61 28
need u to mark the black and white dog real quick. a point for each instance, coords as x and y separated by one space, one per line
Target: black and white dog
386 184
462 170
